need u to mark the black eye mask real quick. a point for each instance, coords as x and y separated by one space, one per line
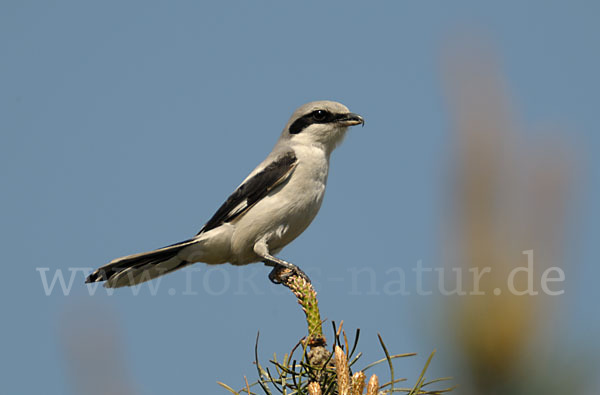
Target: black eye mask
317 116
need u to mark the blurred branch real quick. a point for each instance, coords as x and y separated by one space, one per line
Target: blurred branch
509 194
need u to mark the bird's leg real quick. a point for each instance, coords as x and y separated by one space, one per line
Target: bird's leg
282 270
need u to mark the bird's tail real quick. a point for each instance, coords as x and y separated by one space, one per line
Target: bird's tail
138 268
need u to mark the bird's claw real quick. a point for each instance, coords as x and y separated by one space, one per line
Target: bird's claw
281 274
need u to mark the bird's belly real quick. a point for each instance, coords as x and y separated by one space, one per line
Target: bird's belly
278 219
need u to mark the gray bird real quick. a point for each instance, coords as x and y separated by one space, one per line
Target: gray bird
271 207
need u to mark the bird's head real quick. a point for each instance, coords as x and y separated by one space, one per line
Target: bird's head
322 123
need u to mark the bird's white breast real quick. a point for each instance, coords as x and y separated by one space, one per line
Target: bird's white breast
287 211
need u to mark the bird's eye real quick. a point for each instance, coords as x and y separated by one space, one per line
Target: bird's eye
319 115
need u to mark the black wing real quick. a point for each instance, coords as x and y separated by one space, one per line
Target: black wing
254 189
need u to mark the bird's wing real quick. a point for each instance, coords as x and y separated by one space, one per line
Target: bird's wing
253 190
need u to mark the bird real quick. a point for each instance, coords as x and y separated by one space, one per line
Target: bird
268 210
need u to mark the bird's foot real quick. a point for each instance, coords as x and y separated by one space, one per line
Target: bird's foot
283 271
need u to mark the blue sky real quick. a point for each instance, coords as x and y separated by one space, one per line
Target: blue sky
125 124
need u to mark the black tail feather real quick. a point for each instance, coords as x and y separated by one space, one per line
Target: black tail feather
105 272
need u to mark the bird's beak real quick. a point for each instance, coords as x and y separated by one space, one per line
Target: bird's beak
351 119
